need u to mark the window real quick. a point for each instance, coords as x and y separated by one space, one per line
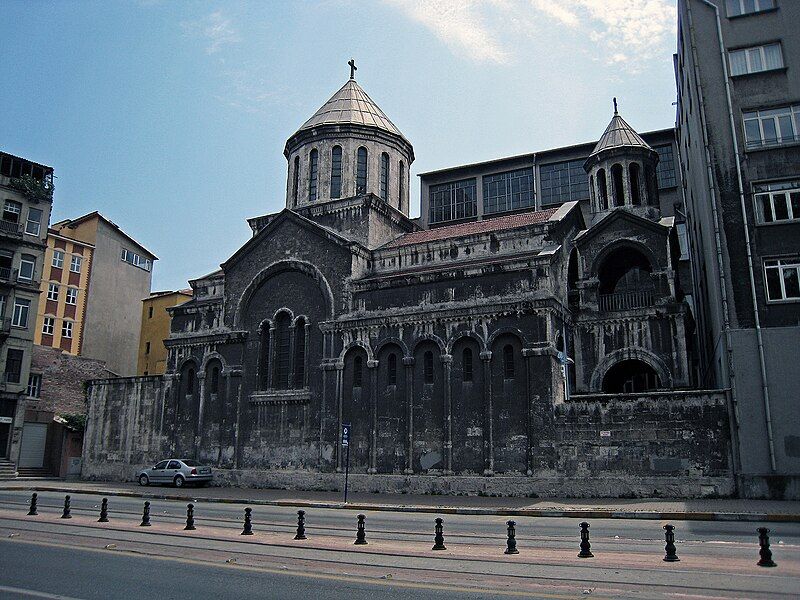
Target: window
48 326
745 7
75 264
149 312
563 182
190 382
11 211
391 370
454 200
783 279
778 201
34 223
617 188
296 180
174 464
358 375
602 188
427 367
683 240
401 184
66 329
72 295
161 466
282 347
508 191
299 353
665 170
27 266
466 362
13 365
134 259
361 171
756 59
214 380
385 176
772 127
508 361
52 292
34 385
313 167
147 347
58 259
336 172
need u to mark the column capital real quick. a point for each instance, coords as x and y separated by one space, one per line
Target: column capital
408 361
486 355
200 375
446 358
371 364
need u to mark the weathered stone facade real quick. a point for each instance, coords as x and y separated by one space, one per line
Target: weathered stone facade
449 350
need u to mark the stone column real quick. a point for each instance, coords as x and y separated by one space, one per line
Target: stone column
372 365
306 354
339 383
198 434
237 442
527 354
488 414
408 364
226 376
447 363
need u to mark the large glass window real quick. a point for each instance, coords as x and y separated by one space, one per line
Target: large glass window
772 127
508 191
779 201
313 166
454 200
756 59
783 278
563 181
361 171
744 7
665 171
336 172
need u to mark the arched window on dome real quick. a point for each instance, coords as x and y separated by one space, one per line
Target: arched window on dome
636 183
313 167
602 190
361 171
401 184
385 177
296 180
336 172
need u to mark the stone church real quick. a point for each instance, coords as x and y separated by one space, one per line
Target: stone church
523 350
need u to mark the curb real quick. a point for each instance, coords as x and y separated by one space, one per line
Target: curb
448 510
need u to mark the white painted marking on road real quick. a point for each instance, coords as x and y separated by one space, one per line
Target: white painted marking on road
34 593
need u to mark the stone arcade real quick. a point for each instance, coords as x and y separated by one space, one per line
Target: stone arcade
536 352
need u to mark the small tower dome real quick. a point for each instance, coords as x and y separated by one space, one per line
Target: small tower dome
348 148
622 171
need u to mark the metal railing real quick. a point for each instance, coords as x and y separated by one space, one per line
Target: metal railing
772 142
7 274
625 301
11 228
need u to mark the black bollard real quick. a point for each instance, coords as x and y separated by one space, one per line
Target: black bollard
103 511
248 523
361 535
586 551
512 538
669 535
439 538
301 525
32 512
66 514
145 515
765 553
189 517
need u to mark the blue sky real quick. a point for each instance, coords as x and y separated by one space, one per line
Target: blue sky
170 117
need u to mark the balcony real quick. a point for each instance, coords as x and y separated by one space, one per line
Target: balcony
10 228
8 275
625 301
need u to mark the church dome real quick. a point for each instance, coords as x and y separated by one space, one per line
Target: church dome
618 135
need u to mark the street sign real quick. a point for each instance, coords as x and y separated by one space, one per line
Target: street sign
6 420
346 444
345 435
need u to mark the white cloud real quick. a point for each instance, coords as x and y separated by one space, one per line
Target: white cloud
217 29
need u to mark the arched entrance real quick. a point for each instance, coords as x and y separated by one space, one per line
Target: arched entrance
630 377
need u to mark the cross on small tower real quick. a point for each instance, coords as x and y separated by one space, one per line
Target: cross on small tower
353 68
615 106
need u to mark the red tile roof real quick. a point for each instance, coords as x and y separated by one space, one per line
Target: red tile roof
473 228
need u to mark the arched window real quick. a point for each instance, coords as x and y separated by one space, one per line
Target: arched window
401 184
591 190
385 176
358 375
263 357
215 380
636 184
630 377
617 186
508 361
427 367
336 172
602 189
299 353
296 180
190 382
361 171
466 364
313 167
282 360
391 370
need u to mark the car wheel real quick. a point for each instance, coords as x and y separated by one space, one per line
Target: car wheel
143 479
179 481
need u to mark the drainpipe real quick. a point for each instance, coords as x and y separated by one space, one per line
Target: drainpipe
748 245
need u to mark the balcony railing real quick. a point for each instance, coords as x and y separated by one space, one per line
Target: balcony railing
772 142
624 301
8 274
10 228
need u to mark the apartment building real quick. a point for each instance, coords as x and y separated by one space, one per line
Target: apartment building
738 78
155 329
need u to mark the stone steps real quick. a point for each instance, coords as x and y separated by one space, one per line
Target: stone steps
8 470
33 472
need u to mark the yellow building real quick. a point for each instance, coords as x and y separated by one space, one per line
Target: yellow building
155 329
65 282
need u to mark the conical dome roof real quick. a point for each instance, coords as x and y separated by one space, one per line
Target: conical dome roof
352 106
619 134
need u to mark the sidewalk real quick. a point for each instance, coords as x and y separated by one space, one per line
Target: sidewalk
594 508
